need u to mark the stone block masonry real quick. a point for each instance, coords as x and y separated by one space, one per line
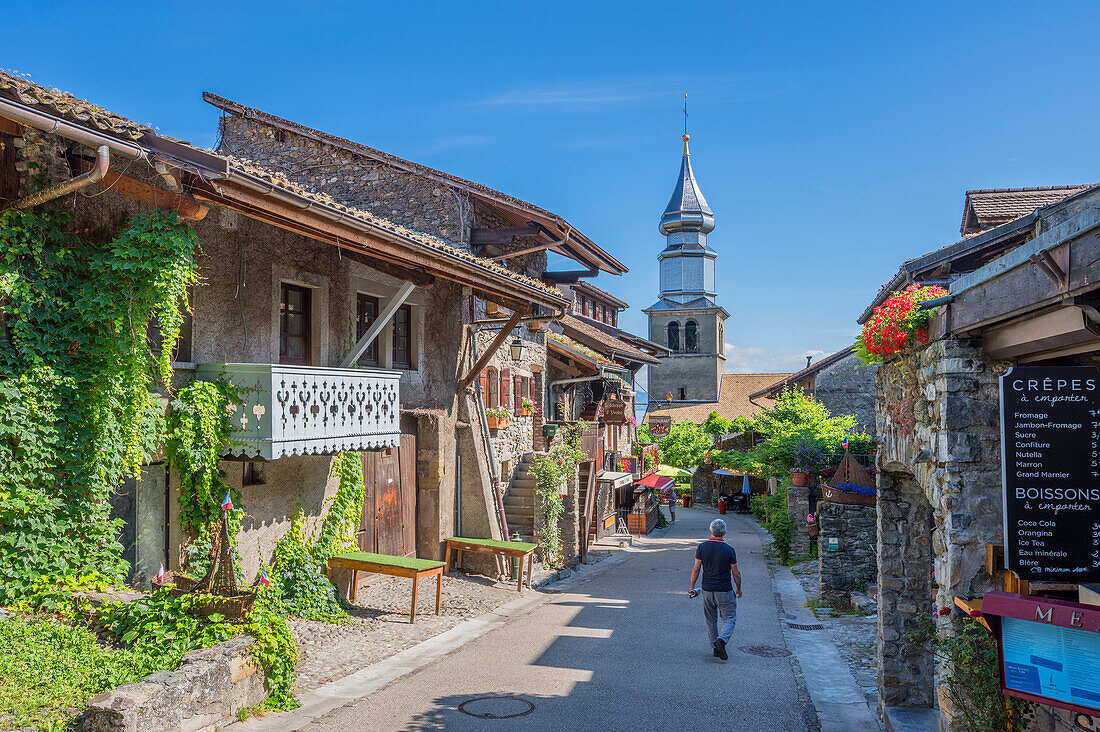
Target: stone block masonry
798 508
204 693
854 559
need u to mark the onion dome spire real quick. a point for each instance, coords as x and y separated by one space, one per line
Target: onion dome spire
687 210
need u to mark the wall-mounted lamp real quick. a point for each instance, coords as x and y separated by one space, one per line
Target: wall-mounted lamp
517 349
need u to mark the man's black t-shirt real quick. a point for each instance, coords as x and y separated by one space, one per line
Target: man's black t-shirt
717 556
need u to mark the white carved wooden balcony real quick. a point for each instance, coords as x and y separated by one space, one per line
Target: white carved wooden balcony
307 410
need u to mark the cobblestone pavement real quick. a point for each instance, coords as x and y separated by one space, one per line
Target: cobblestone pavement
380 626
855 637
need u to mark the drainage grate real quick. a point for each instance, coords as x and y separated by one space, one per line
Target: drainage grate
765 651
803 626
496 707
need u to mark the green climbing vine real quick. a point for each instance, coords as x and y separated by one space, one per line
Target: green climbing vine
552 473
78 412
198 431
298 564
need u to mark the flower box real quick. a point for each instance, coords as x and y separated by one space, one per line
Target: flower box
496 423
851 498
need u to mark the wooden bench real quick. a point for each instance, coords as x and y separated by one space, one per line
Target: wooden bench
391 565
515 549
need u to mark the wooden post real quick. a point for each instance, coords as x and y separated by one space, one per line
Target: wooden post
412 613
439 594
447 561
530 567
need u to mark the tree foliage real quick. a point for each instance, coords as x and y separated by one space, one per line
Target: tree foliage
794 426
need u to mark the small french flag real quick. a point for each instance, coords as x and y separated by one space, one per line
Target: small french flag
263 578
845 443
227 502
161 576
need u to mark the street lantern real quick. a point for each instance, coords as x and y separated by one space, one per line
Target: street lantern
668 397
517 348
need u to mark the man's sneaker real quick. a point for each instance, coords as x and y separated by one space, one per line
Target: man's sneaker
720 649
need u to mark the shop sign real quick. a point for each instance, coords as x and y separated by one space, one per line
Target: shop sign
614 411
1050 462
659 425
1048 649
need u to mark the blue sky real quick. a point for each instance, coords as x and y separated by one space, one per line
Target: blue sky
832 140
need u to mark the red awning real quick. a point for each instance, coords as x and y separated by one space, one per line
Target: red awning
659 482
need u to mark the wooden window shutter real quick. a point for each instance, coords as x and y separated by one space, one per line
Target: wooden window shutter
505 390
518 387
483 380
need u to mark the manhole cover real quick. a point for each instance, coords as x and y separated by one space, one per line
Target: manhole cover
766 651
802 626
496 707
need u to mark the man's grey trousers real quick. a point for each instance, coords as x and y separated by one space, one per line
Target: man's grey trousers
715 603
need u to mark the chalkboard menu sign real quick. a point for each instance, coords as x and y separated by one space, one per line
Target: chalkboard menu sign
1050 458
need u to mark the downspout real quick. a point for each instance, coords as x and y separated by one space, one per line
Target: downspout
494 471
102 162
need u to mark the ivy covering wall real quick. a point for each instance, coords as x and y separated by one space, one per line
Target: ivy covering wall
78 380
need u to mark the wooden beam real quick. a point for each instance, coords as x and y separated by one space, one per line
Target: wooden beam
141 191
10 127
493 347
528 250
501 235
376 327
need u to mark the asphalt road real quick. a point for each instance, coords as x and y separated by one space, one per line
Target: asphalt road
624 650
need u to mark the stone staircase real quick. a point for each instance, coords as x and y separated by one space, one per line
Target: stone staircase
519 500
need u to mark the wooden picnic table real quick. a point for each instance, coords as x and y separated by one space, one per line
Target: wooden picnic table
393 566
516 549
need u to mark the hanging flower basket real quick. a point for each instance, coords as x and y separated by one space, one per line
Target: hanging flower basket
850 495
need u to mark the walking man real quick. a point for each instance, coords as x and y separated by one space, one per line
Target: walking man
718 563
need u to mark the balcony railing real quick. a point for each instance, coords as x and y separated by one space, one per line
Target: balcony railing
307 410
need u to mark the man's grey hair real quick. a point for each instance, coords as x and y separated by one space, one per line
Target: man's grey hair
718 527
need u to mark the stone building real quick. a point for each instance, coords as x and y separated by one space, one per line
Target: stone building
1022 287
839 381
316 301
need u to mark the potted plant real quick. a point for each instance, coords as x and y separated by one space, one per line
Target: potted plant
497 418
526 406
806 458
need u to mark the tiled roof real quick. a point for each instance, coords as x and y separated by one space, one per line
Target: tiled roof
588 287
68 107
991 206
282 181
239 109
773 389
733 399
586 332
572 348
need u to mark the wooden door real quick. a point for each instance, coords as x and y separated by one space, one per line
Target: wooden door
388 525
408 494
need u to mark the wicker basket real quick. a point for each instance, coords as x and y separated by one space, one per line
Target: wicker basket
233 607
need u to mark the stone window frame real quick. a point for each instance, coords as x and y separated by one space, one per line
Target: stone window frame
691 333
673 329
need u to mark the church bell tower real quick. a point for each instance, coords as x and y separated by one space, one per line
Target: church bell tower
686 317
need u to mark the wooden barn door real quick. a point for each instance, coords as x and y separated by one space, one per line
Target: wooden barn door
389 502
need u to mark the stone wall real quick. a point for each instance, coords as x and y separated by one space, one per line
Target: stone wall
798 508
939 499
855 559
204 693
848 387
395 194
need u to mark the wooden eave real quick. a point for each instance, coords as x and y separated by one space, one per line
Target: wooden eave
406 259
